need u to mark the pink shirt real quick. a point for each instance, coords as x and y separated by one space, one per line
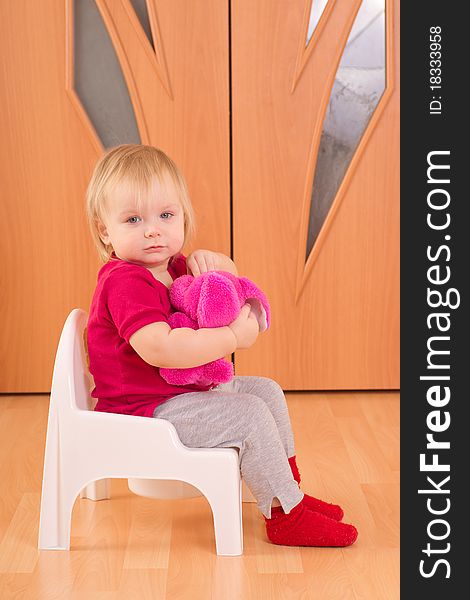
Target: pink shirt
128 297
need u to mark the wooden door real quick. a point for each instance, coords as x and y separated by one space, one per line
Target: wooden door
336 314
177 79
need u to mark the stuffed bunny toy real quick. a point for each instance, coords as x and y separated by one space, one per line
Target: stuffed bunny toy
212 299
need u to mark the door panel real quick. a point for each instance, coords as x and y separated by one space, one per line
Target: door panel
335 321
335 316
180 97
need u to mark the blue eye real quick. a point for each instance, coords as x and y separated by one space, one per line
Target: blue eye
167 213
133 219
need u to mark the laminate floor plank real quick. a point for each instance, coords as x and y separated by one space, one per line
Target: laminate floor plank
347 447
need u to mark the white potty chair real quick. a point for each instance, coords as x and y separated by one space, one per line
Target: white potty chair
84 448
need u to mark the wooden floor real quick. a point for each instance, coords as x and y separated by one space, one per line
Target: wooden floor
131 547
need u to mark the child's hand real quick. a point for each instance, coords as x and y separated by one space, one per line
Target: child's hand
245 328
202 261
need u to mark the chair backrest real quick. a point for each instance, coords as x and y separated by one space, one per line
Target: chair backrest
71 379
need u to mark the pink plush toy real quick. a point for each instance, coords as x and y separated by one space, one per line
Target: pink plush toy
213 299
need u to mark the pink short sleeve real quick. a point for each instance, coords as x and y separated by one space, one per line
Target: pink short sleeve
135 299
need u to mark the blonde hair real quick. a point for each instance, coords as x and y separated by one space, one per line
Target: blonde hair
136 165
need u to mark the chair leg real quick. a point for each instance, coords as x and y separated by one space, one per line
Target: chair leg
60 487
56 499
97 490
55 518
227 515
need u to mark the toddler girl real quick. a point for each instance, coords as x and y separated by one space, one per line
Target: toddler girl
141 217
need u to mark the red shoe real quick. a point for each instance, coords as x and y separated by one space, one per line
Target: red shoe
303 527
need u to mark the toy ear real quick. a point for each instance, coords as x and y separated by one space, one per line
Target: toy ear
259 312
258 301
178 290
219 303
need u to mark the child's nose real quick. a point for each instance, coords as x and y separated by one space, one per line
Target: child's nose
151 231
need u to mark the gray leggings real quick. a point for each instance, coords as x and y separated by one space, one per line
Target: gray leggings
250 414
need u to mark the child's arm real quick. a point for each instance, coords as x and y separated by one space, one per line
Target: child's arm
184 347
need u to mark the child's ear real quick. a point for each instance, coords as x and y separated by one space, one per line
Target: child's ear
102 231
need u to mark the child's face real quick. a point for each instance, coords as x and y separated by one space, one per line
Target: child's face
149 235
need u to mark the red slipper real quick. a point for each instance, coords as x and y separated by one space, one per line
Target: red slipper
303 527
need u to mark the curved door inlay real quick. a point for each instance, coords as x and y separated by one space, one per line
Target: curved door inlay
141 10
316 11
98 78
358 86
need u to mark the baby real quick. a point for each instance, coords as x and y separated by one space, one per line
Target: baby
141 217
